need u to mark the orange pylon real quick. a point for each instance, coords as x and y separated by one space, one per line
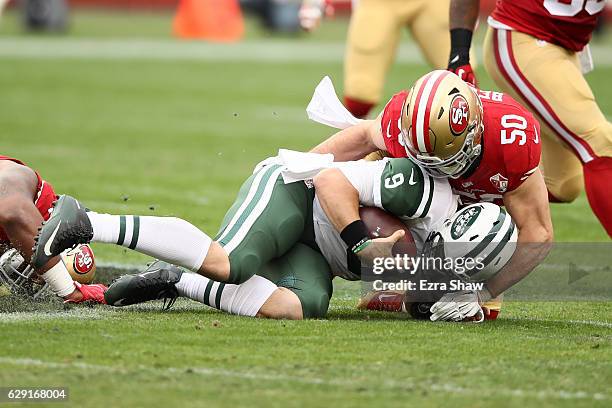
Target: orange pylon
213 20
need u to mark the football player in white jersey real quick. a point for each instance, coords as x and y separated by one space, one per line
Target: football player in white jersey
280 244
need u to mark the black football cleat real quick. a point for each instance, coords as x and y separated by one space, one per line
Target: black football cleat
67 227
158 281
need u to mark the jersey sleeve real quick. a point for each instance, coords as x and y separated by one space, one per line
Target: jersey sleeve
397 186
405 189
522 160
390 125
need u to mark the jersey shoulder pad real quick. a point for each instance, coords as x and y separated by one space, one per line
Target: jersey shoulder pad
406 190
390 124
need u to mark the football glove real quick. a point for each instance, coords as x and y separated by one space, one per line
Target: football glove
94 293
466 73
457 307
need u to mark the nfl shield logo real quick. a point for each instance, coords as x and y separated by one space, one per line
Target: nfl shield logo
499 182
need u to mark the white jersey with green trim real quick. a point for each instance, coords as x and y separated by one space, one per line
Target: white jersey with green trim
398 186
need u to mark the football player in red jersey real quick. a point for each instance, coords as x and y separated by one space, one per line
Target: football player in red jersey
486 143
537 51
25 200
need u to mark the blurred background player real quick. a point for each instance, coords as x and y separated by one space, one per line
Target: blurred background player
373 37
25 200
537 51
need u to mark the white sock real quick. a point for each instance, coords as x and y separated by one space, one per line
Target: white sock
244 300
167 238
59 280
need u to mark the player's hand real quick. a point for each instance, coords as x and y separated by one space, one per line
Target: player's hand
311 14
466 73
457 307
93 293
380 247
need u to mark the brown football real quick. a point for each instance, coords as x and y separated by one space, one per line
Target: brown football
381 224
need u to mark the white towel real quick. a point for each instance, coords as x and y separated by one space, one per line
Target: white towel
302 166
326 108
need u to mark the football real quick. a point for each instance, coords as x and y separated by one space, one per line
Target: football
381 224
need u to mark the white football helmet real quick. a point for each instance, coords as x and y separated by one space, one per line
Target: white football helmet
483 232
20 277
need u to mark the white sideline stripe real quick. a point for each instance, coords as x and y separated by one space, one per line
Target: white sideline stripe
535 100
168 49
348 383
270 51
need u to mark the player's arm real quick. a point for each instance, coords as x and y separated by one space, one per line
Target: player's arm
528 206
463 16
341 191
355 142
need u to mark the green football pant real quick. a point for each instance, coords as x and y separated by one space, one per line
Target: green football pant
264 227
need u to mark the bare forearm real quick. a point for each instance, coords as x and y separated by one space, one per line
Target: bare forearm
464 14
352 143
338 197
533 246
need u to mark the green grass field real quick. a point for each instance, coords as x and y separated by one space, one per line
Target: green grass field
130 121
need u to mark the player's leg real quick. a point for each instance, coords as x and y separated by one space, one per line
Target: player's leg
20 220
561 169
305 284
267 218
547 78
162 280
429 28
372 41
294 286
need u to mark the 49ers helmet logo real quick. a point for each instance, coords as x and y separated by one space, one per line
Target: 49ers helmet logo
83 259
459 115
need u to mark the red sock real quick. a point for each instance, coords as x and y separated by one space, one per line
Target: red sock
598 185
553 199
359 109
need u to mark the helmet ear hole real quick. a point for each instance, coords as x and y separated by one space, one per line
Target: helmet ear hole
453 91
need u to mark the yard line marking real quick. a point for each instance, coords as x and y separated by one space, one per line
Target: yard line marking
348 383
585 322
169 49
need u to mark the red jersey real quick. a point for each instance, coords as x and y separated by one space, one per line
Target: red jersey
45 196
511 146
568 23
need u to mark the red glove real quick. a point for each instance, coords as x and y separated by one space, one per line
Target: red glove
466 73
94 293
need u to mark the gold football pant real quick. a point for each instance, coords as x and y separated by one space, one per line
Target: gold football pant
374 35
547 78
